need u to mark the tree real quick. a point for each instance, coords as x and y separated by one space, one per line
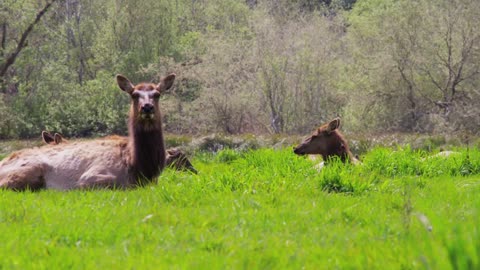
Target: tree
9 58
298 71
426 59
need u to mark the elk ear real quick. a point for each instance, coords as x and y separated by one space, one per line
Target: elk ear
173 152
58 138
47 137
166 83
125 84
334 124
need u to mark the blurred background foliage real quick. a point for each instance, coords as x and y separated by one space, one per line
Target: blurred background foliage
251 66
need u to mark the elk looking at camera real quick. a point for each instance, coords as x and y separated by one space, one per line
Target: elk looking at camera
113 162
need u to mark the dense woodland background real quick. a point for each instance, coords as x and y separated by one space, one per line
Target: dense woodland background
254 66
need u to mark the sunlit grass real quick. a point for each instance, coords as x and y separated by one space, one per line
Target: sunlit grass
261 209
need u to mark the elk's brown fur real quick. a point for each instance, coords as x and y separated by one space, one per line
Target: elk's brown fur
120 162
175 158
55 139
328 142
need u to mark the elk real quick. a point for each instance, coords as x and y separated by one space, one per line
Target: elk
175 158
328 142
113 162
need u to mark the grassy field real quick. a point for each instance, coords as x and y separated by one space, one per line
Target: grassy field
262 209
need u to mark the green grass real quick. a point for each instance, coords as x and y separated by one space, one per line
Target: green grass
262 209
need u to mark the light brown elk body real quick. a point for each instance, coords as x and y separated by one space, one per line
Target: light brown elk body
328 142
119 162
175 158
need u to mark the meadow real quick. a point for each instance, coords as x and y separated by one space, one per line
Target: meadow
260 209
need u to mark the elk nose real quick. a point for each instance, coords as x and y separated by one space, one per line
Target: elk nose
297 151
148 108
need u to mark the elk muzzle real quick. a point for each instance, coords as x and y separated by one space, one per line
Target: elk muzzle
147 111
299 150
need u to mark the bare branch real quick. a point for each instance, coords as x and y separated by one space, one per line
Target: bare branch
437 84
22 43
467 46
3 44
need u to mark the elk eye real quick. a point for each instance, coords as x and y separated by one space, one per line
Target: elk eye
135 95
156 95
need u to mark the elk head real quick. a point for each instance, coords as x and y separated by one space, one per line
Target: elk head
325 141
178 160
144 99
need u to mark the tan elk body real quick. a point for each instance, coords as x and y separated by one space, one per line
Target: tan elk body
120 162
175 158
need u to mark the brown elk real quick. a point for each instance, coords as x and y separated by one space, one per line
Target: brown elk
328 142
175 158
113 162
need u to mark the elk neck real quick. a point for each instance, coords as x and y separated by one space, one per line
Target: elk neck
148 151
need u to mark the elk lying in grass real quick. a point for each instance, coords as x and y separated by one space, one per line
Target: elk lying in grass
114 162
175 158
328 142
